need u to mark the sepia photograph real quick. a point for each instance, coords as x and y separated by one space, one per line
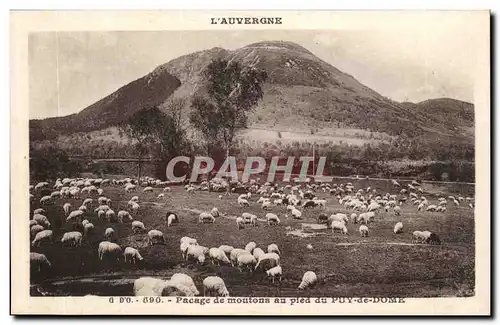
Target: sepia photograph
253 160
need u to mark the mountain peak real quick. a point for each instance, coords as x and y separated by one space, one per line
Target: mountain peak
286 45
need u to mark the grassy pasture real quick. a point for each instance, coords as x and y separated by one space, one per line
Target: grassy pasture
384 264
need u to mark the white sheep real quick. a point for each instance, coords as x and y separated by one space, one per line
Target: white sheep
398 228
215 212
39 211
39 261
273 248
135 208
275 272
214 285
246 261
46 199
233 256
75 215
217 256
240 222
189 240
123 215
272 219
420 236
250 247
160 196
42 220
35 229
337 225
206 218
226 249
354 218
196 252
44 236
110 215
88 228
257 253
296 214
66 208
268 261
137 226
167 189
186 281
132 255
309 279
155 237
74 238
148 286
171 219
397 211
33 223
243 202
266 205
109 233
109 250
363 231
249 218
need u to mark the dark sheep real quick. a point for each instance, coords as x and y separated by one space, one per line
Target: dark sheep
434 239
309 204
322 218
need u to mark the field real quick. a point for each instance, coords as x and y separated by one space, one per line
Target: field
384 264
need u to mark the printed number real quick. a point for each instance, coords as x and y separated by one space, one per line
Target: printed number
151 300
111 300
125 299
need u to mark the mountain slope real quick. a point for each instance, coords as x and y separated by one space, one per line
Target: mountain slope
302 92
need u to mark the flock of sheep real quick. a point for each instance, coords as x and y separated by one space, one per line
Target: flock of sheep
365 205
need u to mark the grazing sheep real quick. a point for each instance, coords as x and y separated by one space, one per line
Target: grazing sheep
233 256
137 226
44 236
398 228
135 208
39 261
363 231
132 255
337 225
250 247
75 215
215 212
419 236
39 211
42 220
109 250
309 279
354 218
217 256
266 205
322 218
189 240
160 196
110 215
46 199
206 218
186 281
35 229
171 219
275 272
123 215
88 228
267 261
433 239
249 218
226 249
66 208
431 207
296 214
101 214
196 252
155 237
246 261
148 286
397 211
240 222
272 219
33 223
74 238
243 202
167 189
147 189
214 285
257 253
273 248
109 233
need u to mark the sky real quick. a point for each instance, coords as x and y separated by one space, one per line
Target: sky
86 66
